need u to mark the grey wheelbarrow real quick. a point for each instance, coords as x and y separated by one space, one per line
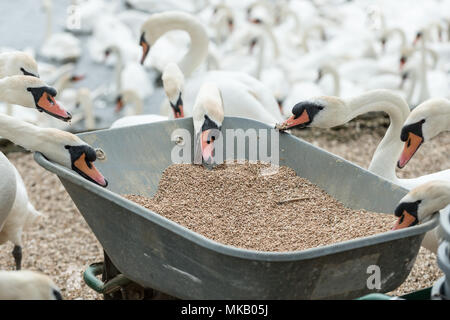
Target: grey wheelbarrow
145 252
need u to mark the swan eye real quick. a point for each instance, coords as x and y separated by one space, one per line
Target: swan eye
419 201
50 100
422 121
320 107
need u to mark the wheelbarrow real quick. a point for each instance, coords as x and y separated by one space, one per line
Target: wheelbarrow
147 250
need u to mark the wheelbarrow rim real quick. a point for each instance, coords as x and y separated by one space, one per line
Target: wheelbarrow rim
207 243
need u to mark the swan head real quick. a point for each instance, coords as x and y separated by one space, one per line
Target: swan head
421 203
419 35
321 112
73 153
19 63
426 121
32 92
145 47
173 83
208 117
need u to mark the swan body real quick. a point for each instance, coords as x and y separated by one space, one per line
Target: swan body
109 31
243 96
21 216
130 75
27 285
135 117
88 13
128 121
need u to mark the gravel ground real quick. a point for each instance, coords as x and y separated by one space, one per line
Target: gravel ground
62 245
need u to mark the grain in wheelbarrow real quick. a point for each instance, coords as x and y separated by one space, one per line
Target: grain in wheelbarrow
243 206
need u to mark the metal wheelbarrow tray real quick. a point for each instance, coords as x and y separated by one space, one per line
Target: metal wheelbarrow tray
158 253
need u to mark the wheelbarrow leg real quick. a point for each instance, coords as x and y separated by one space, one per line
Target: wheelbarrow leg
109 272
132 291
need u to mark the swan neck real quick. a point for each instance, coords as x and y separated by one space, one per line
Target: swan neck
48 30
385 158
62 83
424 91
20 132
118 67
199 41
86 102
336 79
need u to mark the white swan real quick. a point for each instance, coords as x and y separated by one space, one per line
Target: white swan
242 94
84 100
27 285
207 116
130 75
109 31
419 205
309 88
135 117
61 46
439 80
329 111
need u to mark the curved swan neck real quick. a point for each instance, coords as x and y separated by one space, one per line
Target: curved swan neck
385 158
327 69
199 40
424 91
390 32
412 87
119 66
86 102
307 35
48 8
62 82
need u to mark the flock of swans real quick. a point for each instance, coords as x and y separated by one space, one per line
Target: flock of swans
282 63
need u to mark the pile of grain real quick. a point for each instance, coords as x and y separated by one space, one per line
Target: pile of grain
237 205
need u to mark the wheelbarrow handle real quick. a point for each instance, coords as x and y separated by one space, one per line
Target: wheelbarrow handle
96 269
